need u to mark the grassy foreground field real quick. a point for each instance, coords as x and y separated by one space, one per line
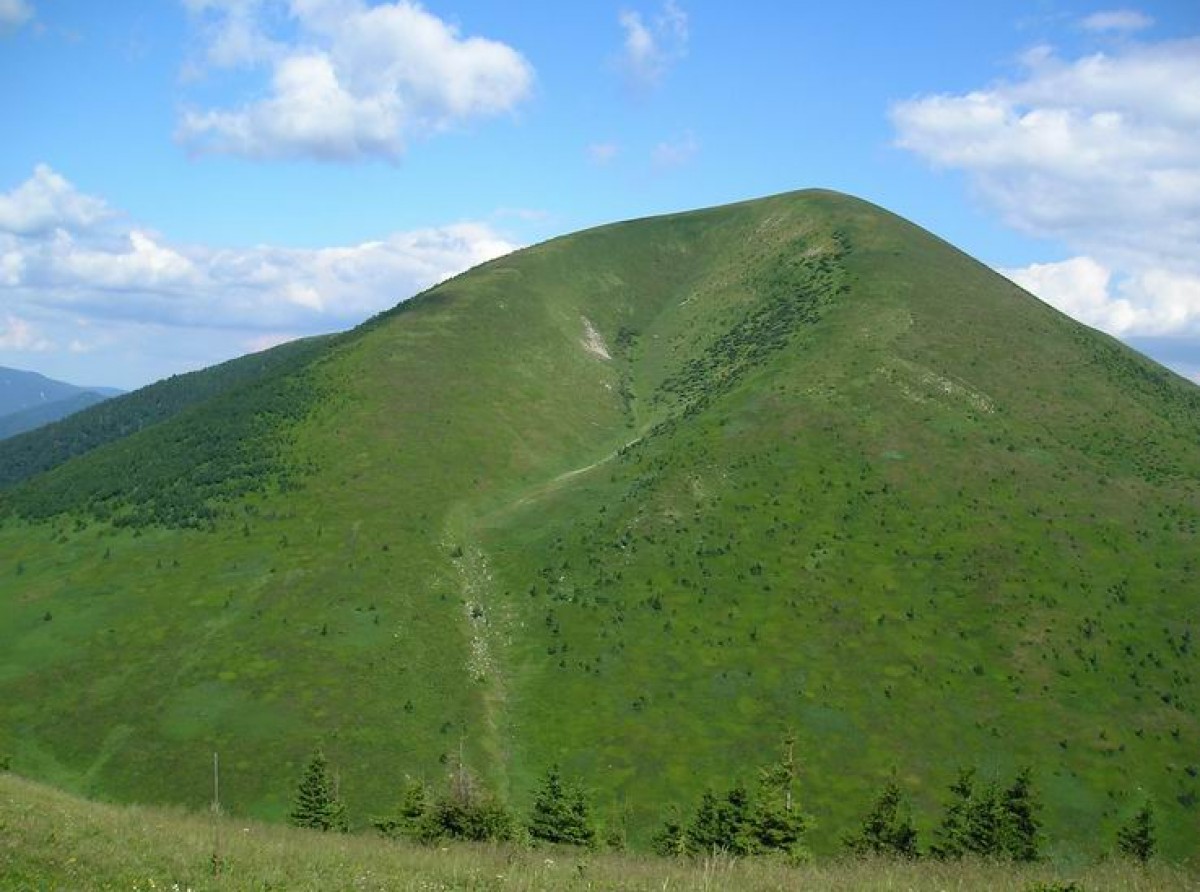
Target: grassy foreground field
50 840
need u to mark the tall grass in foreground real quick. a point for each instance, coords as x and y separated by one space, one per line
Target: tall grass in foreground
50 840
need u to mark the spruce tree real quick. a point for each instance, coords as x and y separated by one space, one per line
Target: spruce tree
704 834
1136 838
1020 831
985 823
721 825
951 839
582 832
887 828
317 807
560 814
736 816
671 839
414 804
338 821
777 824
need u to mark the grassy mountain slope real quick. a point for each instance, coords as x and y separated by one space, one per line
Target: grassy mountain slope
45 449
638 500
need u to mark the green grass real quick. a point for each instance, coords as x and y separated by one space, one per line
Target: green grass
52 841
836 477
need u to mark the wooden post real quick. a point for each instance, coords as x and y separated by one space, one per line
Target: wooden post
216 812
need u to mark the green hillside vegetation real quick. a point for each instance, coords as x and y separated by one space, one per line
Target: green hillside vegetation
54 841
637 502
47 448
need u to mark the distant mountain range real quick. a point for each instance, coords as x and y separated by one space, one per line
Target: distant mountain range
29 400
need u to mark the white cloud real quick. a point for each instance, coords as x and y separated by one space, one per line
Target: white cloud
1124 21
343 285
12 266
46 201
146 266
1079 287
308 114
261 342
14 13
1099 153
99 287
602 153
651 48
1150 303
232 33
357 81
675 153
260 287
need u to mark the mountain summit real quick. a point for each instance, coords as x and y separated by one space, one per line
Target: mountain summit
637 501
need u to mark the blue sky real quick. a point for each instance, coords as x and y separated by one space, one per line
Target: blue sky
183 181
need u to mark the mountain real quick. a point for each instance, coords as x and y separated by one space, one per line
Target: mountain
25 390
637 501
29 400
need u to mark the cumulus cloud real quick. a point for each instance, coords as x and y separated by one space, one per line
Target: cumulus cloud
1124 21
90 278
14 14
651 47
355 82
45 202
146 265
1098 153
1147 303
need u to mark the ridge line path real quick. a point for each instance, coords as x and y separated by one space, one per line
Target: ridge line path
541 490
